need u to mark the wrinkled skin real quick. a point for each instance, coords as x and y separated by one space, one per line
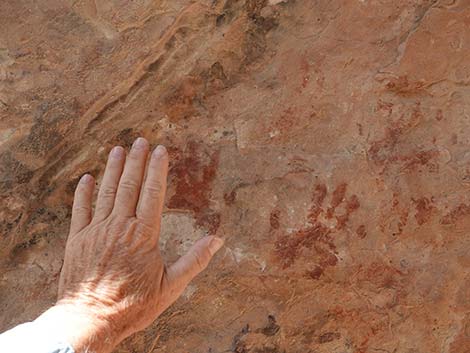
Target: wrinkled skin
114 282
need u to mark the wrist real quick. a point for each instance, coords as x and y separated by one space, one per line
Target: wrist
81 326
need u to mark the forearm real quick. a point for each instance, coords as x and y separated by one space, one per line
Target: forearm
77 326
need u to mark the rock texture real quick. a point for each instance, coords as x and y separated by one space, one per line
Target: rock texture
326 140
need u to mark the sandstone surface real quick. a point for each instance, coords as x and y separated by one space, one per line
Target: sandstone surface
327 141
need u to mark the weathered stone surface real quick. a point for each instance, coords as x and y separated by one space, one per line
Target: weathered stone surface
327 141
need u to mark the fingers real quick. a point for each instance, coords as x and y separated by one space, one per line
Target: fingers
110 182
131 180
194 262
82 209
150 206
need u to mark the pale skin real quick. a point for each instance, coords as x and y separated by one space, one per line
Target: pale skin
114 281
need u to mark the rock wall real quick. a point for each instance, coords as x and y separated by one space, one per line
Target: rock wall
326 140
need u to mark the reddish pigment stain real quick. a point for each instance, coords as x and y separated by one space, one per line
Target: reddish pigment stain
351 206
328 337
420 158
338 196
384 152
315 235
286 121
382 275
230 197
361 231
210 220
287 247
274 219
453 216
360 129
404 87
401 212
194 171
424 210
179 104
318 197
316 273
385 106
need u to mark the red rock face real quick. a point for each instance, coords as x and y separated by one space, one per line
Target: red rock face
326 141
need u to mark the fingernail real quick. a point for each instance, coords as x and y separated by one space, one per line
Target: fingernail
159 151
85 179
215 245
117 152
140 143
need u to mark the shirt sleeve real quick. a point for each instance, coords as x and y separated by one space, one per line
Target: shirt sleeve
31 337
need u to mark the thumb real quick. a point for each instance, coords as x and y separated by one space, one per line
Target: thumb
194 261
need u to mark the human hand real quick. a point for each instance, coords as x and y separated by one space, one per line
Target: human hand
114 281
